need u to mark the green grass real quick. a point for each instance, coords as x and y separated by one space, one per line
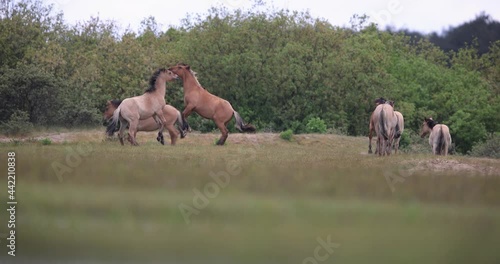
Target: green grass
121 204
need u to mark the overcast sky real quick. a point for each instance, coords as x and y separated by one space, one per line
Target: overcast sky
424 15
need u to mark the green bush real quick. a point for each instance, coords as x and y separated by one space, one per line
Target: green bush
287 135
490 148
18 124
316 125
45 141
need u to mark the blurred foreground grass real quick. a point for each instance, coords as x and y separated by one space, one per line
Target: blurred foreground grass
121 204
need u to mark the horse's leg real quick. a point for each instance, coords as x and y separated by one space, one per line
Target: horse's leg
132 130
122 131
379 145
370 136
223 129
173 134
160 137
187 111
396 146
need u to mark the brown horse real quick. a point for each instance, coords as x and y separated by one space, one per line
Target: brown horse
150 104
172 116
439 139
207 105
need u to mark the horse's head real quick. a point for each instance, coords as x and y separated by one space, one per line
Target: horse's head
181 69
111 106
167 75
427 126
380 100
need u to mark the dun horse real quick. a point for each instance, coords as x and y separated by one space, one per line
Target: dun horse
400 126
375 120
439 138
172 115
207 105
383 121
150 104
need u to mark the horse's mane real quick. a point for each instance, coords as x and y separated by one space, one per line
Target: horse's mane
430 123
116 102
195 75
152 80
380 100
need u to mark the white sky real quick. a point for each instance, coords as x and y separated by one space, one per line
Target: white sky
424 15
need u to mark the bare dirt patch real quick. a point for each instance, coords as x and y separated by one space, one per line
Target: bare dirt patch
481 166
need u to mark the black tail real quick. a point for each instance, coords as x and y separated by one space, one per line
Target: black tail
112 128
441 142
240 124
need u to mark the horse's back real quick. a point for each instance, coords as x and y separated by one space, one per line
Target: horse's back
387 119
440 139
401 120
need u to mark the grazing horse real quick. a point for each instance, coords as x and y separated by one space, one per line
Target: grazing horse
150 104
439 138
400 126
207 105
385 126
172 115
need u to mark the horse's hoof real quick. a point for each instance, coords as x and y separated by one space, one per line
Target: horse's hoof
370 151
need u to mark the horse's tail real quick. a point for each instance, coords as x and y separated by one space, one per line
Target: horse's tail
441 141
180 124
382 124
240 124
110 130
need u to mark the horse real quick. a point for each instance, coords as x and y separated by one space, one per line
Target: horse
384 123
149 104
373 121
207 105
172 116
439 138
400 126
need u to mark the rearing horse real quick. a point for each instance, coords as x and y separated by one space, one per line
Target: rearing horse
150 104
207 105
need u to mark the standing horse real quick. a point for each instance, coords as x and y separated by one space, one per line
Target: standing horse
207 105
172 115
150 104
385 124
400 126
374 120
439 138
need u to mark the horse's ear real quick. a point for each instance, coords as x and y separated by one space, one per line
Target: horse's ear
188 67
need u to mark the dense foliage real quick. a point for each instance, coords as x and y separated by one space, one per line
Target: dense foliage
279 68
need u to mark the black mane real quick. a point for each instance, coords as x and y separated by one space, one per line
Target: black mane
152 80
116 102
380 100
431 123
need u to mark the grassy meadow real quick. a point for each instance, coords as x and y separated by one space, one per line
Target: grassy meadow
259 199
